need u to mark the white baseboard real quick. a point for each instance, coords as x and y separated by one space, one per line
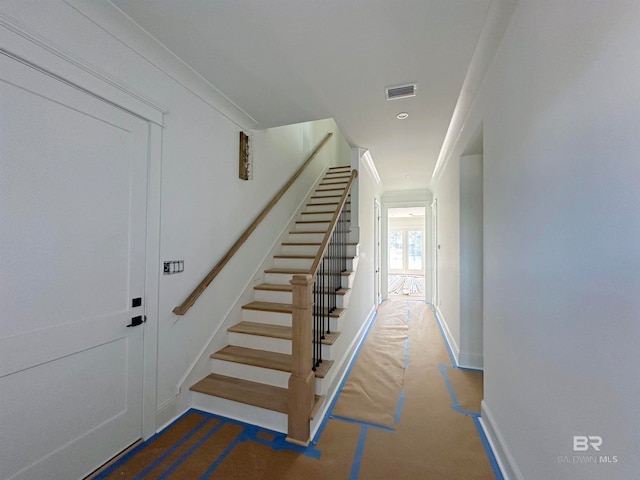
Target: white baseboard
470 361
448 336
170 411
506 462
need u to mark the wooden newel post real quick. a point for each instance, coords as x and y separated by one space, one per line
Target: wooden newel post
302 380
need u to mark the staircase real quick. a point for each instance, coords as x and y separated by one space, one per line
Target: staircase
254 368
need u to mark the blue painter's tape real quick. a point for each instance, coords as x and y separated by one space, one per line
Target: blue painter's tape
488 449
188 453
455 404
280 443
400 404
362 423
406 353
357 459
158 460
240 438
408 312
125 458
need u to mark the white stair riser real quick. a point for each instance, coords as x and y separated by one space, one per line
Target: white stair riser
277 345
351 263
322 201
332 191
251 373
335 180
303 237
312 216
312 227
321 206
345 281
240 411
277 378
257 342
260 316
352 250
328 193
333 327
323 217
342 301
281 278
274 296
300 249
280 262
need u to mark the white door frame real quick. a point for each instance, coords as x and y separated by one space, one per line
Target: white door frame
28 47
435 297
377 246
385 241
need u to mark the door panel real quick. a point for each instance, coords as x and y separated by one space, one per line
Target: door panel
73 188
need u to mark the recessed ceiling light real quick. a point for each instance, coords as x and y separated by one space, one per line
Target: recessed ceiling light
402 116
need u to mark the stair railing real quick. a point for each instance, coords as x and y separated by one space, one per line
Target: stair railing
314 299
202 286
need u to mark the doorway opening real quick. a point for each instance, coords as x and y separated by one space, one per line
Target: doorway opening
406 256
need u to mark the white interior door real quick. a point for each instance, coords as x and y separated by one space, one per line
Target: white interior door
73 189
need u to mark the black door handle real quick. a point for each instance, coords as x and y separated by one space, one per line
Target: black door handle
135 321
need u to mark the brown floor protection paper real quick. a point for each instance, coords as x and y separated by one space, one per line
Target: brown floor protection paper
393 419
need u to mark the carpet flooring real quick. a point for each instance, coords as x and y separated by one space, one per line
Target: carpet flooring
403 412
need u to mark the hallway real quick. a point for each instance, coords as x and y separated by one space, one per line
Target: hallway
403 412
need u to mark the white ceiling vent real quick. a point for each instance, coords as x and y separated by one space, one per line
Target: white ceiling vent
401 91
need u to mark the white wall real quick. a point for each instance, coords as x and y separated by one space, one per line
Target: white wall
471 261
362 300
447 193
204 206
561 230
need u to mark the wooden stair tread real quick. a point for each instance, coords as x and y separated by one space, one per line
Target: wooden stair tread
262 330
275 287
292 271
274 331
281 308
264 359
269 307
312 243
283 287
298 271
284 255
303 232
326 203
244 391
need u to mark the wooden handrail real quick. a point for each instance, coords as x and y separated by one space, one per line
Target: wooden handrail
202 286
332 225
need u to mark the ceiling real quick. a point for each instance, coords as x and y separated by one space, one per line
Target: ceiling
290 61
